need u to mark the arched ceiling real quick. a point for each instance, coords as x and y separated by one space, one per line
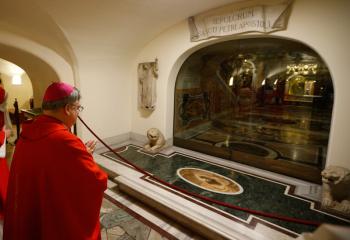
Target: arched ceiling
97 28
28 20
9 68
80 30
114 27
40 73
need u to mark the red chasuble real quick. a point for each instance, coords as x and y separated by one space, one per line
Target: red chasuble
55 188
4 174
2 114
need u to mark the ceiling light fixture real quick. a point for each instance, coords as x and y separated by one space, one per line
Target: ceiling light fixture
16 79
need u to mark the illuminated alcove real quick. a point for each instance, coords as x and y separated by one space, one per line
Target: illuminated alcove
265 102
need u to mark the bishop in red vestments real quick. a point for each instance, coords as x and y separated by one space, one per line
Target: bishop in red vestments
4 174
4 171
55 188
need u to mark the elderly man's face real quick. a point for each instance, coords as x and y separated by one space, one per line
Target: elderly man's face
72 111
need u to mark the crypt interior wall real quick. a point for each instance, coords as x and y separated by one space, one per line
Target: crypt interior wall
112 80
327 36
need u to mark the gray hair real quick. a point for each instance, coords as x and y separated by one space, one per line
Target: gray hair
53 105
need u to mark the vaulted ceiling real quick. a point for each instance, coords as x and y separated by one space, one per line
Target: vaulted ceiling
98 28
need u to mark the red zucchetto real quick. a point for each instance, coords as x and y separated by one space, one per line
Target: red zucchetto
58 91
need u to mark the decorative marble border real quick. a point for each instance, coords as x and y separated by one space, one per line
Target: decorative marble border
252 221
289 190
140 217
190 214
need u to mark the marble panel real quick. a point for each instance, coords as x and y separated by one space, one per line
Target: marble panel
261 194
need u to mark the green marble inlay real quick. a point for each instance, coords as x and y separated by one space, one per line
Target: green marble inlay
259 194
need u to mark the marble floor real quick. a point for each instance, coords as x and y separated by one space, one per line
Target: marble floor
123 217
262 191
135 206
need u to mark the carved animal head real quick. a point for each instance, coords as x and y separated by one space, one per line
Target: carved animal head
153 134
334 174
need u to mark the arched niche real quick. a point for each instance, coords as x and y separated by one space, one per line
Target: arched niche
39 72
266 102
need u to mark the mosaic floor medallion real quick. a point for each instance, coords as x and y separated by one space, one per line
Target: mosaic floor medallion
209 181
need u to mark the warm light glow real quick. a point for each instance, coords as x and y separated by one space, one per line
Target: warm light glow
231 81
304 69
16 70
16 80
263 83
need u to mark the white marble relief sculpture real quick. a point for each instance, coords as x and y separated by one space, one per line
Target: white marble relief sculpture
147 75
336 189
156 141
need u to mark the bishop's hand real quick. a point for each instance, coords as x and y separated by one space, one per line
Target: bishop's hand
90 146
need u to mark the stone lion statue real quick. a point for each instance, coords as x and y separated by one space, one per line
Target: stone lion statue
336 189
156 141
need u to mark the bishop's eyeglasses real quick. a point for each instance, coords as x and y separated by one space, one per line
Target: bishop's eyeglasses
78 108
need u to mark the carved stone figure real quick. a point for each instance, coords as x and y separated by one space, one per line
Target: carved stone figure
156 141
336 189
147 75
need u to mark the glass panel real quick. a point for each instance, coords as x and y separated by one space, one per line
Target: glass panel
265 102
